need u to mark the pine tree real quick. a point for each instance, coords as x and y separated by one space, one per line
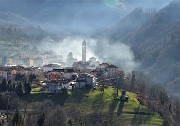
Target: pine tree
17 77
8 87
69 122
19 90
3 86
13 87
41 120
27 87
32 77
16 119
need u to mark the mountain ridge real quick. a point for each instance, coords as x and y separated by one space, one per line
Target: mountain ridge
155 42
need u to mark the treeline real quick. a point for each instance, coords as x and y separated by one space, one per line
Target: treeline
39 114
155 97
47 114
21 85
10 32
30 33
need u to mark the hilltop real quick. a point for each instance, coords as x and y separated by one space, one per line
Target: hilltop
100 108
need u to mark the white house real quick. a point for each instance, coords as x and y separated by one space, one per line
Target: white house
57 87
85 80
93 63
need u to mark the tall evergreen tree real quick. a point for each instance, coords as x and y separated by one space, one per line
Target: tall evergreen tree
19 89
13 87
8 87
19 77
3 86
41 120
27 87
32 77
16 119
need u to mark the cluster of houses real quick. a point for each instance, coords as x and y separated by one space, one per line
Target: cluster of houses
62 80
9 72
58 79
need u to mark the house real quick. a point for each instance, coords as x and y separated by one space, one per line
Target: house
111 71
37 71
49 58
19 69
60 86
93 63
81 66
69 74
54 75
93 72
57 74
85 81
12 73
27 71
54 88
56 81
3 73
103 66
101 70
50 67
8 73
81 83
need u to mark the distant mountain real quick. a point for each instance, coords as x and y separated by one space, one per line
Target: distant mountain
82 17
157 45
34 34
129 24
11 18
79 16
154 37
10 32
174 86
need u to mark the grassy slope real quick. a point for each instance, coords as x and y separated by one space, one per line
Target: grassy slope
95 101
91 101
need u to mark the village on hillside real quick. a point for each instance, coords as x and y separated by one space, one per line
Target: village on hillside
60 78
89 84
56 78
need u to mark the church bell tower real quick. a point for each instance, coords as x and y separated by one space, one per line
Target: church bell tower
84 51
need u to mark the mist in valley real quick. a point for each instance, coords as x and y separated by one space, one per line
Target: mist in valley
131 34
140 37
